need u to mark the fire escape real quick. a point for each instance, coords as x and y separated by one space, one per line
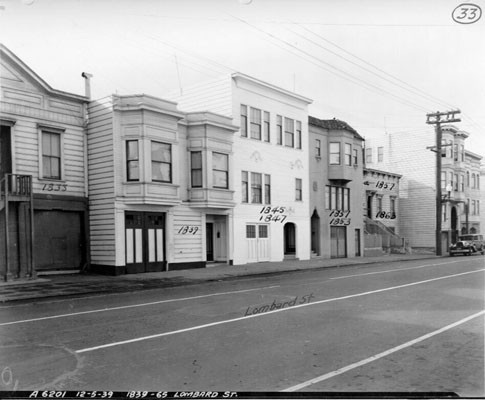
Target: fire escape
16 190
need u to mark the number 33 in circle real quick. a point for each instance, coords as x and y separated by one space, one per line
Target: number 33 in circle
466 13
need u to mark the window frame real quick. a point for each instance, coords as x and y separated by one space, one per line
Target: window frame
50 157
332 153
224 172
380 154
197 170
134 160
256 122
298 189
279 130
298 134
289 134
244 187
347 154
256 188
368 155
158 162
266 126
244 120
318 148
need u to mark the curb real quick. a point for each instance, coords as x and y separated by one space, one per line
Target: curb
132 286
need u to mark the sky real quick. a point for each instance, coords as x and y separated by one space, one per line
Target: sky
379 65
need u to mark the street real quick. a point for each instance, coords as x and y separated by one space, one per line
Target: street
406 326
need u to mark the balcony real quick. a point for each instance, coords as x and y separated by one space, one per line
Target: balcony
15 187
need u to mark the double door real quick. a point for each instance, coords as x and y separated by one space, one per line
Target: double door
338 241
257 240
144 242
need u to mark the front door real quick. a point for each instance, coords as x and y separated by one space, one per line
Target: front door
209 240
290 238
145 242
338 241
5 151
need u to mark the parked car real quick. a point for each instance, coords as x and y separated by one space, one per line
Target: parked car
468 244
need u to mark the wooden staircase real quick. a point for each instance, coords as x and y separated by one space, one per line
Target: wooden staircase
16 188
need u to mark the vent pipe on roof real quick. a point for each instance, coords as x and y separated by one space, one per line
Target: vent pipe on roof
87 85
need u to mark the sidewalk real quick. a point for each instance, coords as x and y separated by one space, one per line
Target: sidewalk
81 284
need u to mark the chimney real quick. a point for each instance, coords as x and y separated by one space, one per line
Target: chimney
87 85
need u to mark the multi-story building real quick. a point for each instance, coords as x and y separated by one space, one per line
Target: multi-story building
336 198
414 157
270 165
42 165
161 191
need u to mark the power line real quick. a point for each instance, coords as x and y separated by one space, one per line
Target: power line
340 72
403 84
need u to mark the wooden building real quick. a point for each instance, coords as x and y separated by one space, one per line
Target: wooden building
43 164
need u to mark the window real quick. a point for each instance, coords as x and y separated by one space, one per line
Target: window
289 132
478 207
255 123
298 190
380 154
256 188
132 161
474 210
245 187
334 153
455 151
348 154
443 180
456 182
337 198
318 148
393 205
451 180
467 178
51 155
379 204
443 148
220 170
266 127
244 120
263 231
251 231
473 181
161 162
267 189
279 130
298 134
356 157
462 152
443 209
368 155
196 168
462 183
478 181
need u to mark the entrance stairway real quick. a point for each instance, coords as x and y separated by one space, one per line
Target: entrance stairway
391 242
16 189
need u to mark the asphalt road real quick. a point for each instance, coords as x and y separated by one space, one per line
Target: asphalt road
409 326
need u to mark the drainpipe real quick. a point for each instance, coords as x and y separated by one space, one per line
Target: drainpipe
87 76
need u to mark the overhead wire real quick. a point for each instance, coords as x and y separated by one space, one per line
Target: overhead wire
335 70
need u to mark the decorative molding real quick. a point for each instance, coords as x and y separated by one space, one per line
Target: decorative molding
297 164
256 156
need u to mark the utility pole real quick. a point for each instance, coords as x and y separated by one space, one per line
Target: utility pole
437 119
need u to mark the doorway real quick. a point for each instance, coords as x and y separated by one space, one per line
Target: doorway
369 205
209 240
315 228
144 242
454 225
5 151
338 242
290 238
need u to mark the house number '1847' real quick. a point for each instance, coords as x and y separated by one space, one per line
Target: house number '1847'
188 230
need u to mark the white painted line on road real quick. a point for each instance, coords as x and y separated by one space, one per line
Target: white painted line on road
395 270
134 305
380 355
227 321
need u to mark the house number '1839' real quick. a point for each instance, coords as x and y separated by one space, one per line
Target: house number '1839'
188 230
